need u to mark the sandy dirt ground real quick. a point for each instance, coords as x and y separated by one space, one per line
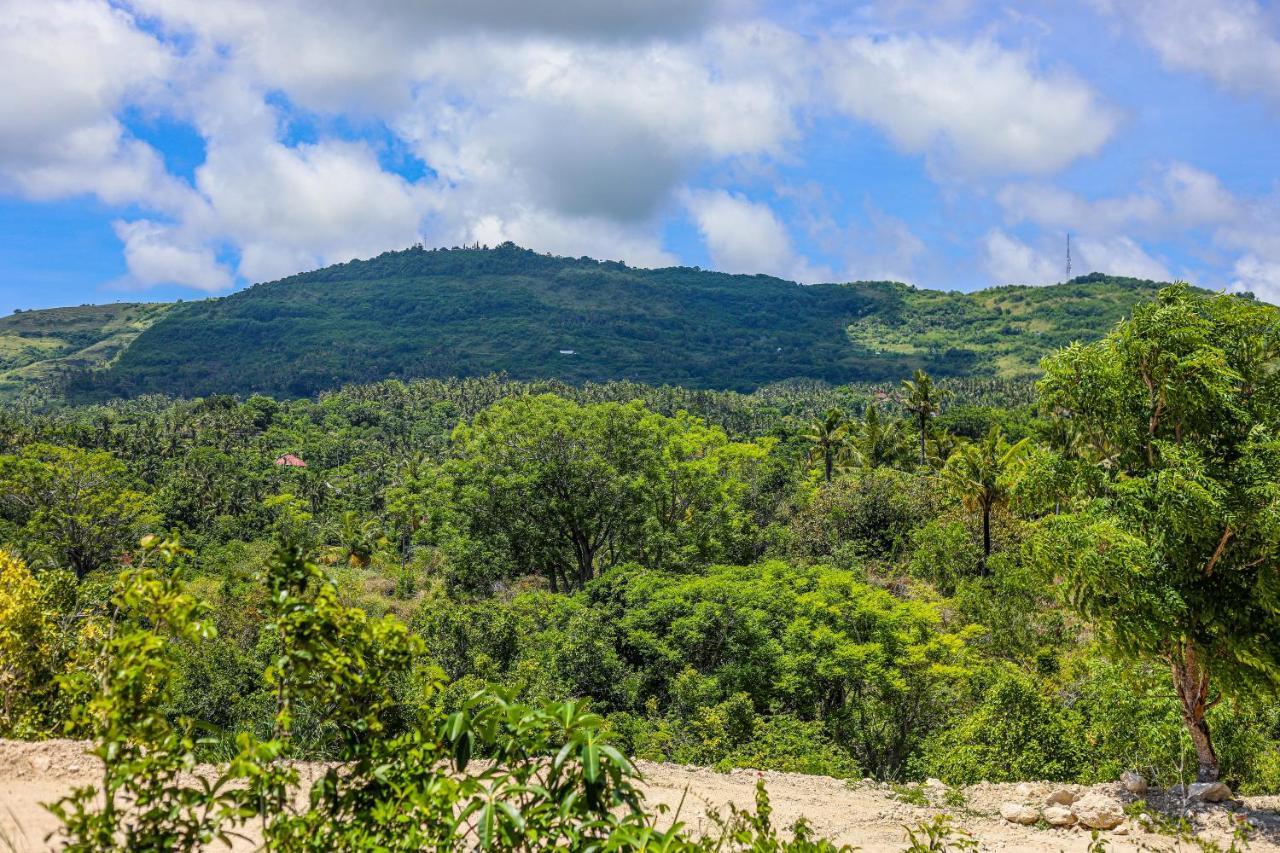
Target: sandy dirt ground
867 815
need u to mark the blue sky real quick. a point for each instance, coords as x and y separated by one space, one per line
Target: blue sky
165 149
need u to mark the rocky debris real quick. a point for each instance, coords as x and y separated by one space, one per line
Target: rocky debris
1208 792
935 783
1061 797
1020 813
1059 816
1134 783
1098 811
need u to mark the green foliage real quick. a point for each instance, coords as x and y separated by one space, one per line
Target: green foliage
117 693
70 508
1177 560
1015 732
27 656
541 482
870 515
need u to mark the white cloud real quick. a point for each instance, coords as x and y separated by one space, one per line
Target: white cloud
971 107
69 67
156 254
1008 260
1179 201
1232 42
307 206
1118 255
744 236
1259 277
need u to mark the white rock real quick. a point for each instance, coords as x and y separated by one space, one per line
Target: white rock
1060 797
1208 792
1098 811
934 783
1122 829
1059 816
1025 791
1019 813
1133 783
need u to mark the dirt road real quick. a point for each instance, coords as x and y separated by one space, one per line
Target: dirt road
867 815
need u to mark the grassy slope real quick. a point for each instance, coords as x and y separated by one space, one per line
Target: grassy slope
1009 328
471 312
35 346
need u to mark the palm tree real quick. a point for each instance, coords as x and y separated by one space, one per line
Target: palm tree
924 400
980 475
357 540
829 436
877 440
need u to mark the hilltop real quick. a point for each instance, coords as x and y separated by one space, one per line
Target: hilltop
467 312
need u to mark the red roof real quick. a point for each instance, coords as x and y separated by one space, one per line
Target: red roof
291 461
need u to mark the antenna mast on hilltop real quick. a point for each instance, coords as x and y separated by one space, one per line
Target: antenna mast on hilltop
1068 256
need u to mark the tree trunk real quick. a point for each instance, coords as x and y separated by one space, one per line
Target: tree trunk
829 459
1191 681
986 539
922 440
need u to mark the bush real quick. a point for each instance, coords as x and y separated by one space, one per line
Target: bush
1014 733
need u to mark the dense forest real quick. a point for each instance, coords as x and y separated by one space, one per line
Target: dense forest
962 578
473 312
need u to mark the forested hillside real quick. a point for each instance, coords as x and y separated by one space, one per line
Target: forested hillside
472 312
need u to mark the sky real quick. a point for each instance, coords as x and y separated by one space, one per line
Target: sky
166 149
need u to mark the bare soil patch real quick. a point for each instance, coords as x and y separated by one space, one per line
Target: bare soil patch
866 814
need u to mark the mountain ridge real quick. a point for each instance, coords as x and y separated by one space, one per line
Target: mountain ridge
422 313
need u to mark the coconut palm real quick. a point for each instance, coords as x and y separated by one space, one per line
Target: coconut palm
877 440
829 437
980 474
924 400
357 540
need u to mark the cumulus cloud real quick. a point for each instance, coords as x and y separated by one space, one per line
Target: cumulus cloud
156 254
1119 255
572 126
1259 277
1008 260
745 236
1235 43
292 208
70 66
1177 202
972 106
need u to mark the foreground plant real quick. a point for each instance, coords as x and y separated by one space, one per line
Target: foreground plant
405 777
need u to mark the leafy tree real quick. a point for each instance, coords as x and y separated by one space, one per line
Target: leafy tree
980 474
1178 559
924 400
828 438
26 637
73 507
544 485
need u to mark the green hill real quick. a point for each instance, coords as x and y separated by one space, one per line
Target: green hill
437 313
39 347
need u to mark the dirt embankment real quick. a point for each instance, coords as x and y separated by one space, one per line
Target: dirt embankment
867 815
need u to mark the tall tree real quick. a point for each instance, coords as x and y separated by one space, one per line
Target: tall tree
924 400
980 474
1179 559
829 435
